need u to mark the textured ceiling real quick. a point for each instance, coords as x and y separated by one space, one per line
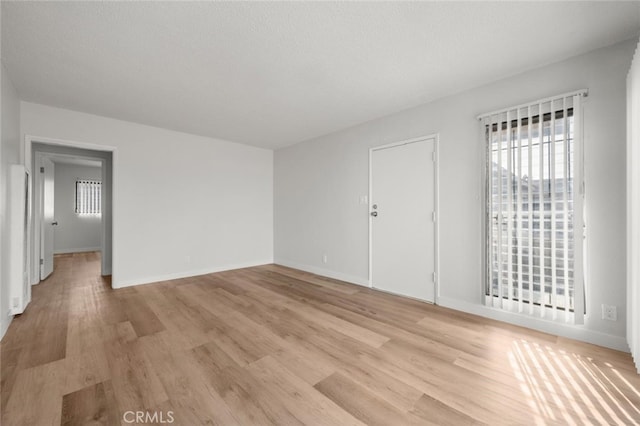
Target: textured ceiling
273 74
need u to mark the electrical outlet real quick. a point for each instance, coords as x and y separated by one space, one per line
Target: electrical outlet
609 312
325 259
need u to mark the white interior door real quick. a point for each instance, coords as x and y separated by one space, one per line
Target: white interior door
48 218
403 246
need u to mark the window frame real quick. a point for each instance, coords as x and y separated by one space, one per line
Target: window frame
83 205
513 114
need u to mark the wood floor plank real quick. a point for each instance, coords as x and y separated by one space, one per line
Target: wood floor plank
363 405
184 322
141 317
388 388
191 399
36 396
312 314
434 411
49 341
88 368
136 384
250 400
93 405
339 286
362 334
303 360
272 345
9 369
305 402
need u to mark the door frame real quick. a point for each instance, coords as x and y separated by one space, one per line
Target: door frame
436 160
108 266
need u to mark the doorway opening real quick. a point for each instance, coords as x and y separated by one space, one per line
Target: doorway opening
71 196
62 225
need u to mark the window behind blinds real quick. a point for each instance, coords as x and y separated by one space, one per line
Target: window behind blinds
88 197
534 209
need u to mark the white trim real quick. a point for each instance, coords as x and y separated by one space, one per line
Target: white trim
186 274
370 224
436 261
77 250
352 279
577 332
17 213
583 92
107 269
436 207
29 139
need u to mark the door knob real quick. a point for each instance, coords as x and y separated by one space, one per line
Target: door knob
374 214
54 223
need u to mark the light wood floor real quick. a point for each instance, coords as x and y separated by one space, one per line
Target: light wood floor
271 345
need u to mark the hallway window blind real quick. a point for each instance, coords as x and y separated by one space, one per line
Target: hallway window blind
88 197
534 200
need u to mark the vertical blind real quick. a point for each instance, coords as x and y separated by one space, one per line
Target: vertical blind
534 199
88 197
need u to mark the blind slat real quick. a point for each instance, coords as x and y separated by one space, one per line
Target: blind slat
509 209
519 210
565 202
552 193
530 208
88 197
499 215
541 261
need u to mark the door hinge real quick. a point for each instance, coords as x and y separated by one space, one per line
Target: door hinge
41 169
433 216
42 261
434 277
433 156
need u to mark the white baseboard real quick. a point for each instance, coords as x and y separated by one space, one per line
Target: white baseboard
324 272
116 283
77 250
577 332
636 362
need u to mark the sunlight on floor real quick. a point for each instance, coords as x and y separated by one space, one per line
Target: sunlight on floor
560 384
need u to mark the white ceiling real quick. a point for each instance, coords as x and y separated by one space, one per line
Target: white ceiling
274 74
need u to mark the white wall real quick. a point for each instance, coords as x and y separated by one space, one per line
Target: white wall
74 233
9 154
182 204
318 184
